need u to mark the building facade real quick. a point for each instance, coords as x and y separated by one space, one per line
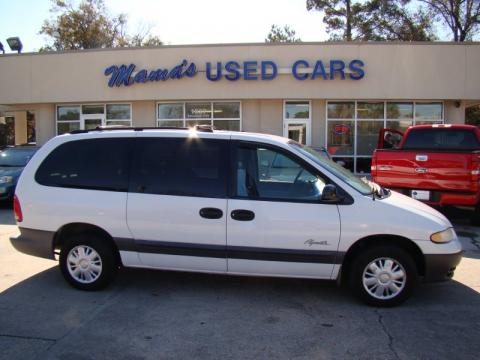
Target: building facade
332 95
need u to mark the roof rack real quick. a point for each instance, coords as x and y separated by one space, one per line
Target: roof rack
200 128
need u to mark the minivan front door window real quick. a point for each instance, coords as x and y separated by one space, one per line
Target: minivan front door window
266 174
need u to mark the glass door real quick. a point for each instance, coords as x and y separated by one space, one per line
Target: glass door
92 121
296 131
297 120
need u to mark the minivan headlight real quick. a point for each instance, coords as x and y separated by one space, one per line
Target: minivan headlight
6 179
443 237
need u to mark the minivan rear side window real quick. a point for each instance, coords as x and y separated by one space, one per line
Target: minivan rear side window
180 166
96 164
441 139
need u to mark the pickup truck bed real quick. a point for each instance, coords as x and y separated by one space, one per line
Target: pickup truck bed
443 171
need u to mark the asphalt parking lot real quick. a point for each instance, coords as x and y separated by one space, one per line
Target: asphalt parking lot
162 315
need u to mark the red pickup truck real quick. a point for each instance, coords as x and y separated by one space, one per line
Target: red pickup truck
437 164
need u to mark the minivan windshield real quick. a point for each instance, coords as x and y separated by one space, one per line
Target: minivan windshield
15 157
361 186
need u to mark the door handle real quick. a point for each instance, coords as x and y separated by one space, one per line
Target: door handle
242 215
211 213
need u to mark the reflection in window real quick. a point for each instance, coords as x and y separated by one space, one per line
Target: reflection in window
226 110
367 136
170 111
118 112
297 110
68 113
224 115
198 110
93 109
428 112
370 110
399 111
341 110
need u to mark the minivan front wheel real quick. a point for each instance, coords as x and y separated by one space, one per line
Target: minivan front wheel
87 262
383 276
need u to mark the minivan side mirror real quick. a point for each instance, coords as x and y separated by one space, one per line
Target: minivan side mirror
329 194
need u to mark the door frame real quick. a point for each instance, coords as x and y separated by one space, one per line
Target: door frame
307 121
84 117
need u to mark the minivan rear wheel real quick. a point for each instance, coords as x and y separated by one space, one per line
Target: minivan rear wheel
383 276
87 262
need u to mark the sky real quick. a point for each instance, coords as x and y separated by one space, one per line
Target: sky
176 22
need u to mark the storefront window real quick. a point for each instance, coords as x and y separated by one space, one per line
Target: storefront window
118 111
170 111
79 117
341 135
66 127
367 136
93 109
68 113
297 110
341 110
399 111
370 110
428 112
353 127
400 125
224 115
198 110
226 110
31 132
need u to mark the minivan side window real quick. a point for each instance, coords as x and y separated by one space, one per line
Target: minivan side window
180 166
96 164
265 174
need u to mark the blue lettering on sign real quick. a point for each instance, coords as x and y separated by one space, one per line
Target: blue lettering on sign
232 71
231 68
355 67
123 74
295 69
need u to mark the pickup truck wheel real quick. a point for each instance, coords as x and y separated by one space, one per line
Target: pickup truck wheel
87 262
383 276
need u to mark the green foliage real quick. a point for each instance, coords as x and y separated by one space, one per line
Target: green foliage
278 34
373 20
472 115
462 17
89 26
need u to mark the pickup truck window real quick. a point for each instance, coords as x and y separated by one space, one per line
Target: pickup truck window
441 139
337 170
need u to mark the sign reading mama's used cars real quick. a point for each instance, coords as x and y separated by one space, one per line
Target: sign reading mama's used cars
233 70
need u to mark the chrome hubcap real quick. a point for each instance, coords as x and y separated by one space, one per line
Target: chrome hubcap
84 264
384 278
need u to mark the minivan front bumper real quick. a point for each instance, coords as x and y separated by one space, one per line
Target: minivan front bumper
34 242
440 267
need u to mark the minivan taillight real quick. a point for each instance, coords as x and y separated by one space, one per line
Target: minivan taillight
17 209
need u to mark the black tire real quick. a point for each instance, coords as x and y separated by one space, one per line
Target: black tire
365 258
106 257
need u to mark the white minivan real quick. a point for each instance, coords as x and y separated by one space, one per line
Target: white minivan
223 202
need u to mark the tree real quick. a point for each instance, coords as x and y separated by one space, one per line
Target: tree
338 15
472 115
278 34
392 20
373 20
461 16
89 26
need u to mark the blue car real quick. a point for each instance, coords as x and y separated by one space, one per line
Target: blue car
12 162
